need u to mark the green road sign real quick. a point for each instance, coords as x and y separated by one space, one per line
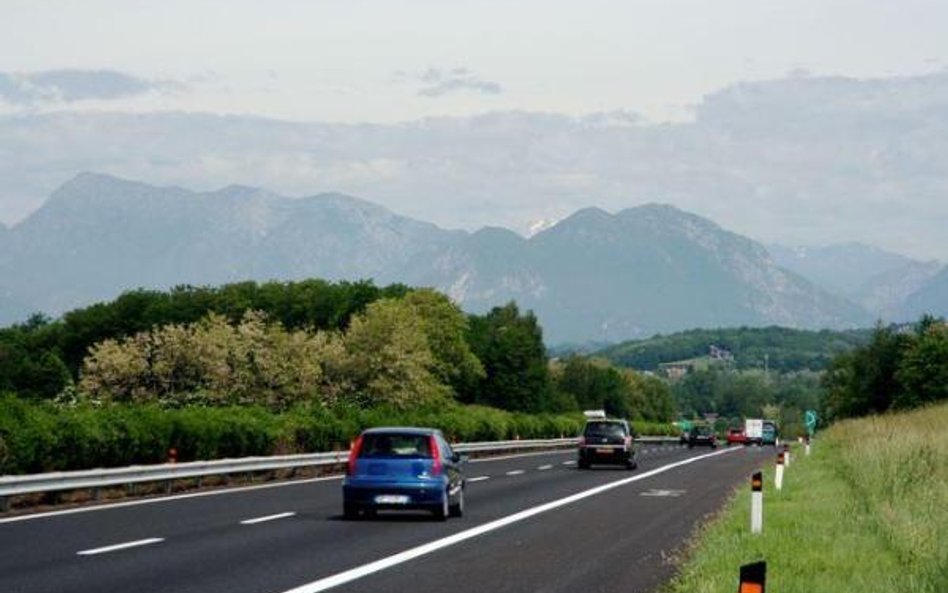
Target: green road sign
810 419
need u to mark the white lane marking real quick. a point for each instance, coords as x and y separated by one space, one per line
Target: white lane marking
256 520
477 479
358 572
125 546
132 503
569 462
543 468
661 493
129 503
515 472
517 455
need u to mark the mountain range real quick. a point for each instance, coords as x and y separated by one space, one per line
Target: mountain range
880 281
593 276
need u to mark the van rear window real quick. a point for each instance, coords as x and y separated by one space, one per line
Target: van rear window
604 429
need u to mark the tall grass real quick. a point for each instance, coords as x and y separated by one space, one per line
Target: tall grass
897 468
866 512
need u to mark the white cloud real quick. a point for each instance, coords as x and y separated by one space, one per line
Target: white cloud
437 82
73 85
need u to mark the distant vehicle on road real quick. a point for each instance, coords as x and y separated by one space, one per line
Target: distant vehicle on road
736 436
702 436
753 430
769 435
606 441
403 469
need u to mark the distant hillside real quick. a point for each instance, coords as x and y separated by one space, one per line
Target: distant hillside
932 298
878 280
785 349
594 276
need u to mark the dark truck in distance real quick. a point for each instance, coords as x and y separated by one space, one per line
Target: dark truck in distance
606 441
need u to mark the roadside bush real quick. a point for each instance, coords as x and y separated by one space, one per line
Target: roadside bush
42 437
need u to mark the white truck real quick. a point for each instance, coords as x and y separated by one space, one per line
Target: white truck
754 430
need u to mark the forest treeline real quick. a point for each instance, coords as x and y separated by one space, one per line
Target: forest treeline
281 343
900 368
260 361
778 349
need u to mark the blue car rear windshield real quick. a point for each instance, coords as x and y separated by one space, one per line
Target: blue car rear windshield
395 445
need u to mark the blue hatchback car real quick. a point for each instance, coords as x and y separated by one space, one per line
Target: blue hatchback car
403 469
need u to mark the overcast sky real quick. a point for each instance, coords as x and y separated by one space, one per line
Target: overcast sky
387 60
640 63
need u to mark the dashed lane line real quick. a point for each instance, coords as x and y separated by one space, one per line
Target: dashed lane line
266 518
124 546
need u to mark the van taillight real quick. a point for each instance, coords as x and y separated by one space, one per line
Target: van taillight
582 441
435 456
353 455
628 442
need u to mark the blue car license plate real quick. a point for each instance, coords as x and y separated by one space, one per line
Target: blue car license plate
392 499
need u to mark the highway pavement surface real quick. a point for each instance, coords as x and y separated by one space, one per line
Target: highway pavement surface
532 523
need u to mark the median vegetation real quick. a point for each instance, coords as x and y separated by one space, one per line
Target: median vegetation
254 369
865 512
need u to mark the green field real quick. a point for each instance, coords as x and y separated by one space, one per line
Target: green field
866 512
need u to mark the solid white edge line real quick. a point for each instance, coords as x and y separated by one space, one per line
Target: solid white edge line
130 503
477 479
125 546
266 518
515 472
358 572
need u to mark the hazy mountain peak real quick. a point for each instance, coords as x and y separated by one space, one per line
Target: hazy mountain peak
238 190
582 218
87 181
496 234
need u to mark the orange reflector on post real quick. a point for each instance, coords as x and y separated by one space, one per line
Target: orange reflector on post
753 578
757 482
779 458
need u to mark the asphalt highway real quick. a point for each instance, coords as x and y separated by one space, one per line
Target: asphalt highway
532 523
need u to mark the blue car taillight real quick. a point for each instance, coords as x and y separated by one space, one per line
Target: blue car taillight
353 455
435 456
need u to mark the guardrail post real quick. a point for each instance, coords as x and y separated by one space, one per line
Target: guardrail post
753 578
778 475
757 503
4 504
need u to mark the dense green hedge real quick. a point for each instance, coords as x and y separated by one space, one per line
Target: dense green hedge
40 437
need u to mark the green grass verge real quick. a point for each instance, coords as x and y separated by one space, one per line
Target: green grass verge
866 512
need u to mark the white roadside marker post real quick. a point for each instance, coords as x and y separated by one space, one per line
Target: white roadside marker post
757 503
807 446
786 455
778 476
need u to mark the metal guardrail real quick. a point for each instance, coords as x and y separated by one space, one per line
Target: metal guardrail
136 474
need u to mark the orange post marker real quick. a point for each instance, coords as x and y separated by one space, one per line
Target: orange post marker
753 578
